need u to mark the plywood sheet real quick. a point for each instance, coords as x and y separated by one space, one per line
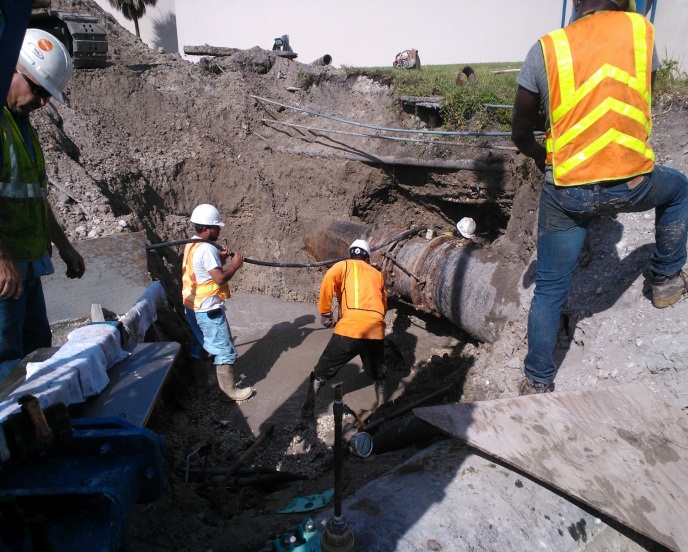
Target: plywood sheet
116 276
623 450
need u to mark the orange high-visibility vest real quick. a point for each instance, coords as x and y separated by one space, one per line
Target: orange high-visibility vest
194 292
599 74
360 291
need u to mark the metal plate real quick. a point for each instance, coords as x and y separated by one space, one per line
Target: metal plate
135 384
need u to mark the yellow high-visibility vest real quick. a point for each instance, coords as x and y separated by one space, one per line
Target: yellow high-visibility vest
360 291
23 193
599 73
194 292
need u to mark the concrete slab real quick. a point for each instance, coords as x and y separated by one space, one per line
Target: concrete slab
116 276
622 450
449 497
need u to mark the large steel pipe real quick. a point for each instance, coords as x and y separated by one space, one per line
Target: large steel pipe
325 60
445 275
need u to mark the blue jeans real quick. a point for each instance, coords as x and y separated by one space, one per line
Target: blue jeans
211 332
565 213
24 325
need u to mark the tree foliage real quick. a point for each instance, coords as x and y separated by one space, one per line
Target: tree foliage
133 10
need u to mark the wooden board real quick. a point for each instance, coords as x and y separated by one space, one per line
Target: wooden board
622 450
135 384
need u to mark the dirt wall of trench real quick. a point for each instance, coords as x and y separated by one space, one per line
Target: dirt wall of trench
151 136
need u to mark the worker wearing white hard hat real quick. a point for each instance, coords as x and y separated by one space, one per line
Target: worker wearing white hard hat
46 61
466 227
27 223
360 328
205 288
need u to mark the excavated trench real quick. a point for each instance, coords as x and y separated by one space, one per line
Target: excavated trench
470 283
149 137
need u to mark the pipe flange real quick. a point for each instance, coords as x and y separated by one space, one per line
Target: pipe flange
418 286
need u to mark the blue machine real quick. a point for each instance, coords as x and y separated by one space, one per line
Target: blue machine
67 484
71 484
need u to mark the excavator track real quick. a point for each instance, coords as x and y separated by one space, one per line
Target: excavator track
84 37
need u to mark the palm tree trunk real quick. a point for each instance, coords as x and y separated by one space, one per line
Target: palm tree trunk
136 25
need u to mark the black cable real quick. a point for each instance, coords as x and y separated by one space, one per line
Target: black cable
399 237
182 242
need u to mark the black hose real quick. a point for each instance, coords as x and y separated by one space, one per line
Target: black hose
182 242
399 237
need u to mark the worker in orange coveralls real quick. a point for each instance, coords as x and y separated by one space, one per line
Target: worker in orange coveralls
360 330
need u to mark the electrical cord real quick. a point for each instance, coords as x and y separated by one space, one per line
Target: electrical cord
398 237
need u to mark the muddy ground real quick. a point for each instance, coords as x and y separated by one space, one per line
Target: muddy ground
151 136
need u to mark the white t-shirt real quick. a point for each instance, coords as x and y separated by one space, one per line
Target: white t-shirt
205 258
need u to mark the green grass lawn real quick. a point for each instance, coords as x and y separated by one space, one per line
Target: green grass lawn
465 105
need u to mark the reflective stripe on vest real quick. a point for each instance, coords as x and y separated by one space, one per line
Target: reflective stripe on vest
194 293
23 193
360 288
15 190
599 112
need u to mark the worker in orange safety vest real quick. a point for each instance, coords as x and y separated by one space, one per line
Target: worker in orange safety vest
360 329
593 79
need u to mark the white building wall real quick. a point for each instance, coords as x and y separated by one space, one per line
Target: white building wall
158 27
671 28
365 33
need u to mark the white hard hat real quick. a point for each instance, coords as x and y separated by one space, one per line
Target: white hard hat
466 227
358 247
46 59
206 215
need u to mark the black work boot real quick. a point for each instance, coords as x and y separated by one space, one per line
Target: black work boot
666 290
308 406
205 377
380 389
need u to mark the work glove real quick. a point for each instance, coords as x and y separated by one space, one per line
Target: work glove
326 319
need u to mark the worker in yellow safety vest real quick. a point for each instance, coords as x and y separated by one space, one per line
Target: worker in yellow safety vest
27 223
360 329
593 79
205 289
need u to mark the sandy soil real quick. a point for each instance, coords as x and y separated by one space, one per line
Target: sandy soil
151 136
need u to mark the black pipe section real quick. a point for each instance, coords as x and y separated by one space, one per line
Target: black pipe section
337 536
404 433
474 287
370 424
338 411
325 60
